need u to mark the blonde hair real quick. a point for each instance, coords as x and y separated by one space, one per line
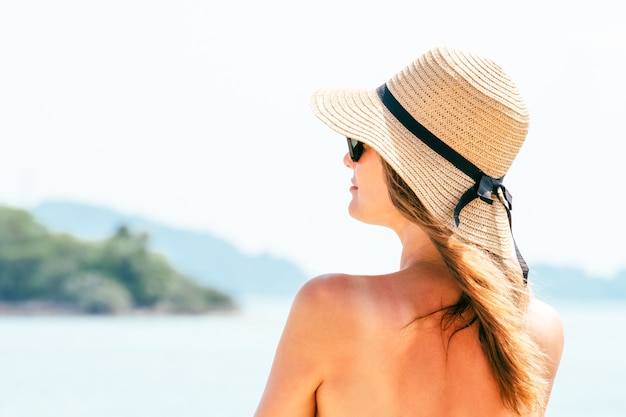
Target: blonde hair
494 298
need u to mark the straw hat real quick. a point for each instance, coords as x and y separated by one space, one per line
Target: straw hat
450 124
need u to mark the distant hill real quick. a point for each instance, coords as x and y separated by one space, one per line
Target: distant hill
567 283
203 257
218 263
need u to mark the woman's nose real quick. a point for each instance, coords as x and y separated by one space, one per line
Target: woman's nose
348 161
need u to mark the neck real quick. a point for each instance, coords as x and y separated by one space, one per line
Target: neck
417 248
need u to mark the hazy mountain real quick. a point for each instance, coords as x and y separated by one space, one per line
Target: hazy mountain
567 283
220 264
205 258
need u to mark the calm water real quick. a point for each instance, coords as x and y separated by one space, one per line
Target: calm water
216 366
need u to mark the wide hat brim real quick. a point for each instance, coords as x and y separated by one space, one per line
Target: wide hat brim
360 114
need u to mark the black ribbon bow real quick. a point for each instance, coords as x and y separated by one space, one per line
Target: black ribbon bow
485 189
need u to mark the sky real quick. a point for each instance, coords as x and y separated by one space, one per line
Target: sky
196 114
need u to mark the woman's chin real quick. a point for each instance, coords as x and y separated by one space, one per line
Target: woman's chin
353 210
357 214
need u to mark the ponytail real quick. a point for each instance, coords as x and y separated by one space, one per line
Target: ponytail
494 298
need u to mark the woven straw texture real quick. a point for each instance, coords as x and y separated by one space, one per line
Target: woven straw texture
469 103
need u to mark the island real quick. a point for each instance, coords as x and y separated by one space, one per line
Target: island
46 272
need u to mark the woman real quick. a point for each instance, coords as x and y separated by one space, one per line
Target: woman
455 331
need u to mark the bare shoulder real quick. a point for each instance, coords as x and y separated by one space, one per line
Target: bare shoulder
546 327
324 288
326 298
333 307
545 323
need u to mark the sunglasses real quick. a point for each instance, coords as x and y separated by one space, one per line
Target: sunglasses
356 149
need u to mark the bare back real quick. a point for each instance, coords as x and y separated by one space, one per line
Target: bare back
395 363
370 346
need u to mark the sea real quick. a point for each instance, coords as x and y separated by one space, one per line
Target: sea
217 365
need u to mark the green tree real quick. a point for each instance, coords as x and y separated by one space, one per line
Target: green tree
95 294
23 247
126 258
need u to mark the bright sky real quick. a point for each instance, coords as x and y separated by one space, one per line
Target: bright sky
196 113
